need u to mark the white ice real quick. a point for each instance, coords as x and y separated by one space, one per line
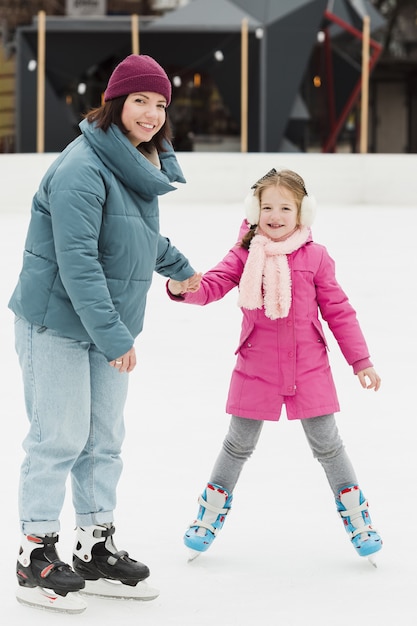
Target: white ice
283 557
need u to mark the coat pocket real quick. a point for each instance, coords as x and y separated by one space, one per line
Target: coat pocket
245 334
318 328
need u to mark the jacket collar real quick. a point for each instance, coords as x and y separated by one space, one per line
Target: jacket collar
129 165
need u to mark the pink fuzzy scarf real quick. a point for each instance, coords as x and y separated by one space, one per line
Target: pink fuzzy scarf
266 278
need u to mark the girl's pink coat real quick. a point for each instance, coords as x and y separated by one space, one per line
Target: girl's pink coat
285 360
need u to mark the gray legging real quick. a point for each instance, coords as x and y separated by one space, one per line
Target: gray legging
322 436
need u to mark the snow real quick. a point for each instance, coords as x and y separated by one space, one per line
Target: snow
283 556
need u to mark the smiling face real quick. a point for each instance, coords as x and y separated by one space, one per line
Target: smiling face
279 212
143 115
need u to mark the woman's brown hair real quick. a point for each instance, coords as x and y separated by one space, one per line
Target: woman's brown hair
111 113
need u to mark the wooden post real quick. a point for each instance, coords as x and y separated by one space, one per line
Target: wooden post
135 33
244 88
40 124
365 86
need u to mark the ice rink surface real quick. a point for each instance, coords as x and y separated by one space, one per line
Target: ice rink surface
283 557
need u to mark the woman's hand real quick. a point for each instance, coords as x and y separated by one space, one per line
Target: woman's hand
177 287
126 362
370 374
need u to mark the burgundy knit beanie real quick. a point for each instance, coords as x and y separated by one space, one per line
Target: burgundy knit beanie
138 72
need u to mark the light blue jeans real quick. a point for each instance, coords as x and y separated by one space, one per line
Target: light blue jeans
74 402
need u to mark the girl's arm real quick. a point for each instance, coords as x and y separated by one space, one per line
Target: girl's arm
339 314
341 317
215 283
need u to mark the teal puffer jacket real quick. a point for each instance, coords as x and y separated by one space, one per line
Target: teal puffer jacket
93 241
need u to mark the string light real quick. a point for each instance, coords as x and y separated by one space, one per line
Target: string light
216 53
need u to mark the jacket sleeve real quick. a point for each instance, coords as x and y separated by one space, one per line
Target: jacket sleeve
76 216
217 282
339 314
170 262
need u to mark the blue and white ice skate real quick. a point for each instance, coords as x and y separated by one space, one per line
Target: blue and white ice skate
353 509
215 503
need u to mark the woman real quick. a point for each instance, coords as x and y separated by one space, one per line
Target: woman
92 247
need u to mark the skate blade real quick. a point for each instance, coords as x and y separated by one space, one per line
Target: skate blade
39 598
104 588
193 555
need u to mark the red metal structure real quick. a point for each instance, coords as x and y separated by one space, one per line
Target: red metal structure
336 124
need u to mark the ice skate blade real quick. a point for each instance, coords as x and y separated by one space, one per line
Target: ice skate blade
104 588
39 598
193 555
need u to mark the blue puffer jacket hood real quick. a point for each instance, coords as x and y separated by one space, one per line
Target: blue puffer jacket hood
93 241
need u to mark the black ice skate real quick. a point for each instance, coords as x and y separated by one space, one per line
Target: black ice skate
108 572
44 580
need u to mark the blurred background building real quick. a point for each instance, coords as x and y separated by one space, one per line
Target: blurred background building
304 70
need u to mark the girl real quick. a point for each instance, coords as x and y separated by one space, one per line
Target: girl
91 250
284 279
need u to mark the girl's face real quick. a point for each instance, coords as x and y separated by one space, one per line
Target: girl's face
143 115
279 212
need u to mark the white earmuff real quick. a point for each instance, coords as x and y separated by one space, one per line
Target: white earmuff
308 211
252 208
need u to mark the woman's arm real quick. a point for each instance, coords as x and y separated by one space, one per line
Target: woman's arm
170 262
76 208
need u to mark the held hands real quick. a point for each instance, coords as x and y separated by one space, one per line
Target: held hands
125 363
177 287
370 374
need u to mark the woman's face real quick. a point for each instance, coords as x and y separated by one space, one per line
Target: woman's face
143 115
279 212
